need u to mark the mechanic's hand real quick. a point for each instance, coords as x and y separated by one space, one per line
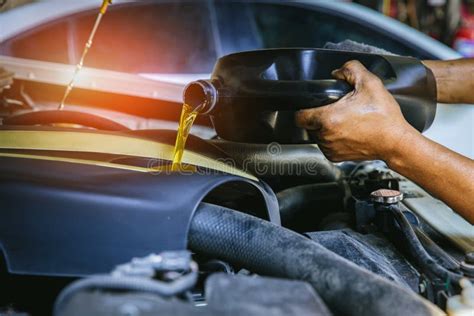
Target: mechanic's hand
366 124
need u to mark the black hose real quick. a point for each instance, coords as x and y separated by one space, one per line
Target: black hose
418 252
267 249
436 251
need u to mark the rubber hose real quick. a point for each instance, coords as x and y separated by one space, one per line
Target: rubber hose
267 249
436 251
418 252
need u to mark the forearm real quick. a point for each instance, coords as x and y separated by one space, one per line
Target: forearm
442 172
367 124
454 79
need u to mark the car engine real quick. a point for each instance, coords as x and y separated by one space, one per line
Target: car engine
93 222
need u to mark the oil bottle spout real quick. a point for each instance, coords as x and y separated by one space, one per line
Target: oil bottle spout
201 95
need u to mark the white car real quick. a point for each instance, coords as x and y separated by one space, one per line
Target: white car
179 41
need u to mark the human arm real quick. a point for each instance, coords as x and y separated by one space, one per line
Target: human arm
367 124
454 79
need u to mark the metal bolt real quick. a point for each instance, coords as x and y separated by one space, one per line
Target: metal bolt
422 287
467 265
386 196
469 257
467 269
129 309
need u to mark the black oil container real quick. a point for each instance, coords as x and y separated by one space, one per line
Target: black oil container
252 96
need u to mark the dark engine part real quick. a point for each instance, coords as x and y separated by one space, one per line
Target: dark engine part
153 211
263 89
372 252
419 254
303 207
231 295
167 275
403 227
267 249
439 271
289 163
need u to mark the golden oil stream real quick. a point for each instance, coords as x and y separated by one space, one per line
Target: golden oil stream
88 45
188 115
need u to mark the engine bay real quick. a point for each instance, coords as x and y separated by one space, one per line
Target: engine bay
92 224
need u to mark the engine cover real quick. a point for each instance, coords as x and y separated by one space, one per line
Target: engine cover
68 219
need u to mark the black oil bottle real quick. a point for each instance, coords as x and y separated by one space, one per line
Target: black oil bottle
253 96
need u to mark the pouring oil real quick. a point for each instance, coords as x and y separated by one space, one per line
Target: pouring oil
88 45
188 115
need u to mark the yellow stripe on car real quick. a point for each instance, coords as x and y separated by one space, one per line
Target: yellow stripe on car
77 141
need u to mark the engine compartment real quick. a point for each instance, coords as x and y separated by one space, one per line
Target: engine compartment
270 228
103 209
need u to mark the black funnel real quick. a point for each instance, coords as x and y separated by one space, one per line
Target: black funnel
253 96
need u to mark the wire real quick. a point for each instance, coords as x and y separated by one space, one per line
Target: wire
140 284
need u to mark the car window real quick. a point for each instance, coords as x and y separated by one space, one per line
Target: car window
136 38
290 25
187 37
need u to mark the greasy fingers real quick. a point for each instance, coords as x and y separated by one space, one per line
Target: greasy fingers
355 74
365 124
310 119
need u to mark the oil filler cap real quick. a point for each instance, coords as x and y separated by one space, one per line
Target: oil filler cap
386 196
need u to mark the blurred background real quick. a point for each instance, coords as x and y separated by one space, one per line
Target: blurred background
449 21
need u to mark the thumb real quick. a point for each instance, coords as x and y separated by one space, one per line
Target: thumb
353 72
310 119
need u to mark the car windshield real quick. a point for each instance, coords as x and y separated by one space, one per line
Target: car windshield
187 37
